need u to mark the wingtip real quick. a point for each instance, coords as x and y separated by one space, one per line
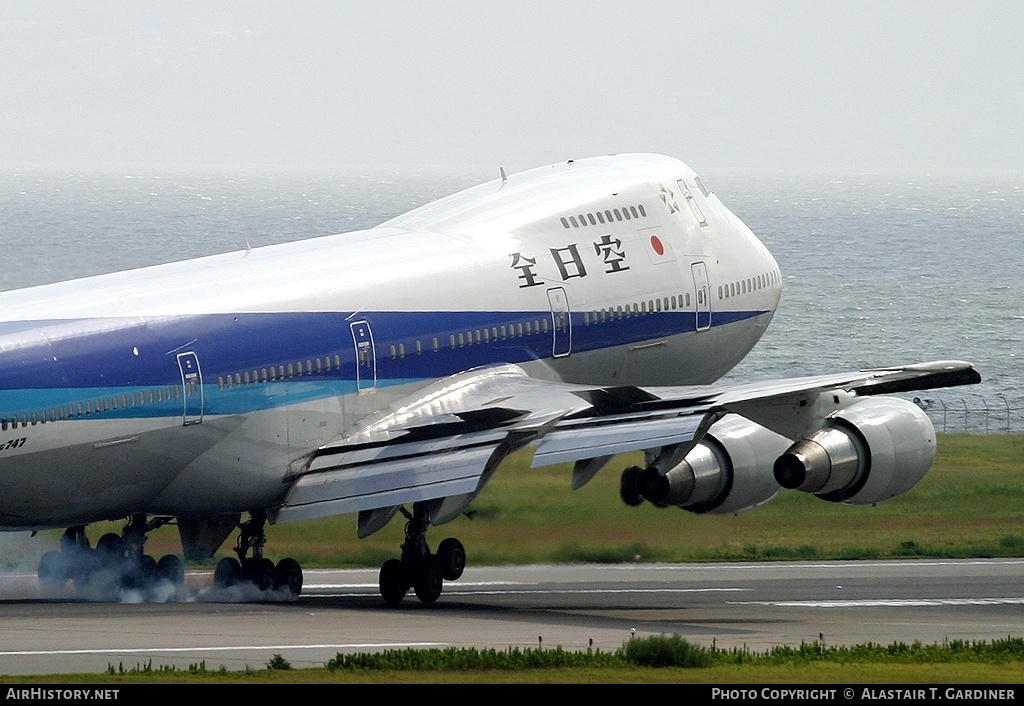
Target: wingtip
932 366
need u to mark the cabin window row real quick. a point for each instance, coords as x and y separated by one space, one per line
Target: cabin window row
311 366
650 306
751 284
89 408
478 336
627 213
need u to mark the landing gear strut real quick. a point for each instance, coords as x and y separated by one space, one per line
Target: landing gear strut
418 569
257 570
118 563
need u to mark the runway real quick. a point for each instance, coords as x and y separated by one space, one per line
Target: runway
576 607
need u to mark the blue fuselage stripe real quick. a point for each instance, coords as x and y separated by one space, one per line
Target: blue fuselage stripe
46 364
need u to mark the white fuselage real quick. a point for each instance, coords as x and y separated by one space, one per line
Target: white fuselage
192 388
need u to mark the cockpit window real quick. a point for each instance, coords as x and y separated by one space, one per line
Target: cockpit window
702 186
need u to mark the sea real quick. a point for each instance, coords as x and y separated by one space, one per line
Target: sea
878 271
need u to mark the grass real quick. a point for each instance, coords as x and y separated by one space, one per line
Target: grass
826 673
652 660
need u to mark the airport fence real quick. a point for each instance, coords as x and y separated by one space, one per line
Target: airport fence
972 416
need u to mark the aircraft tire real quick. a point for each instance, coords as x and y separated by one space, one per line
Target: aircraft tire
259 572
110 547
171 568
451 557
428 582
139 575
288 574
227 573
394 581
629 486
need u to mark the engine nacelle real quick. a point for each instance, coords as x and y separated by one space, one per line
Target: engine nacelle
871 451
729 471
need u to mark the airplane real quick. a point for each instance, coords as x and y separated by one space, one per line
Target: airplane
585 309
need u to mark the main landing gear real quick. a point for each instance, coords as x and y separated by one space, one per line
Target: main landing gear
116 565
418 569
255 570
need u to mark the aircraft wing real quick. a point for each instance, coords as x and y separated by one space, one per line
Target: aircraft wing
444 442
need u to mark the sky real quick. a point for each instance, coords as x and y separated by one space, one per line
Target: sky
745 86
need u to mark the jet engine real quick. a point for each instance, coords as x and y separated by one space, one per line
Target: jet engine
870 451
729 471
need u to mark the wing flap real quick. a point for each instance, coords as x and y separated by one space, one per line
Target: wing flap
579 443
332 458
367 486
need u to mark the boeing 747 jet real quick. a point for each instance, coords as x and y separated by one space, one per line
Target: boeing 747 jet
585 309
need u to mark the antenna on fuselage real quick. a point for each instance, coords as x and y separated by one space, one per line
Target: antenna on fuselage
248 248
504 178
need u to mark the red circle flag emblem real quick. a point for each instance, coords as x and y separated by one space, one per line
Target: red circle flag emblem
657 245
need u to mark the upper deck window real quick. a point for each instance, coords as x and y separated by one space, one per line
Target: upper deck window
581 220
